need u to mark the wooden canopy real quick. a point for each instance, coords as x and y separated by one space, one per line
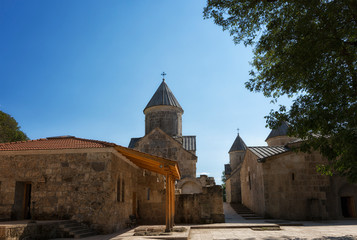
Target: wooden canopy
161 166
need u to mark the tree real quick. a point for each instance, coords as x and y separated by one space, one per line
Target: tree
223 177
9 129
306 50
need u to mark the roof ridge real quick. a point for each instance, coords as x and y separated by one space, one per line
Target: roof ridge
268 146
68 142
30 140
97 141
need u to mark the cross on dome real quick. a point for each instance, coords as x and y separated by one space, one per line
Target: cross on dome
163 74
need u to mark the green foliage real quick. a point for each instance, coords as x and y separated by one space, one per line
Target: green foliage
223 178
9 129
224 185
306 50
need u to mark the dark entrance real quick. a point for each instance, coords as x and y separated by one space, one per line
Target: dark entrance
22 203
348 207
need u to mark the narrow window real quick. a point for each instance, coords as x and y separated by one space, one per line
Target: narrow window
122 190
293 176
250 183
118 190
148 195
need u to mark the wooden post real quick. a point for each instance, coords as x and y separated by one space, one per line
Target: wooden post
168 204
172 202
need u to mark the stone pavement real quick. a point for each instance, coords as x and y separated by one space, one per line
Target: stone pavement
237 227
230 216
341 231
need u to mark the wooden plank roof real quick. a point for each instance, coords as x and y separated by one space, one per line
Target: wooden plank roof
150 162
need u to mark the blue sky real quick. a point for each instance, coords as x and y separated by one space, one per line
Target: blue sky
88 68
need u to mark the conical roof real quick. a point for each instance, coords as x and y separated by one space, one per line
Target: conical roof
282 130
238 145
163 96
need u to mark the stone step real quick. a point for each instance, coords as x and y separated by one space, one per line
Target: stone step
245 212
254 218
73 228
76 230
84 234
68 224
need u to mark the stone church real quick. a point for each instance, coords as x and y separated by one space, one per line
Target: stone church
276 182
163 137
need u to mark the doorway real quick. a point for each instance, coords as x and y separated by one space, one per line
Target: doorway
22 201
348 207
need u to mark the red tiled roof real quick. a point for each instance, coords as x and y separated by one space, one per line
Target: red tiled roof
52 143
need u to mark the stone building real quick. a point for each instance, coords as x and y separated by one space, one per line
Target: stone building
278 182
232 171
92 182
163 137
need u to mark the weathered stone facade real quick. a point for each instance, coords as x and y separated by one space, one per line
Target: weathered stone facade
94 186
233 187
287 186
167 118
205 207
158 143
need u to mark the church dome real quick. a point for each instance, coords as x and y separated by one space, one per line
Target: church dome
279 136
163 111
238 145
282 130
163 96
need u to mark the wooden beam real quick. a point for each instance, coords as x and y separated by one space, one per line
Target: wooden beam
151 162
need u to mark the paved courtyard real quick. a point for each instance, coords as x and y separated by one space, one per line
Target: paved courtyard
237 227
333 230
347 232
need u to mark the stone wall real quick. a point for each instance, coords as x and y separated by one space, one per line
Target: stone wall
205 207
252 184
38 230
280 140
287 186
236 159
151 200
160 144
340 188
233 188
167 118
293 188
70 184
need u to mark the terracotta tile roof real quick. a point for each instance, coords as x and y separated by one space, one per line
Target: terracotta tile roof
52 143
